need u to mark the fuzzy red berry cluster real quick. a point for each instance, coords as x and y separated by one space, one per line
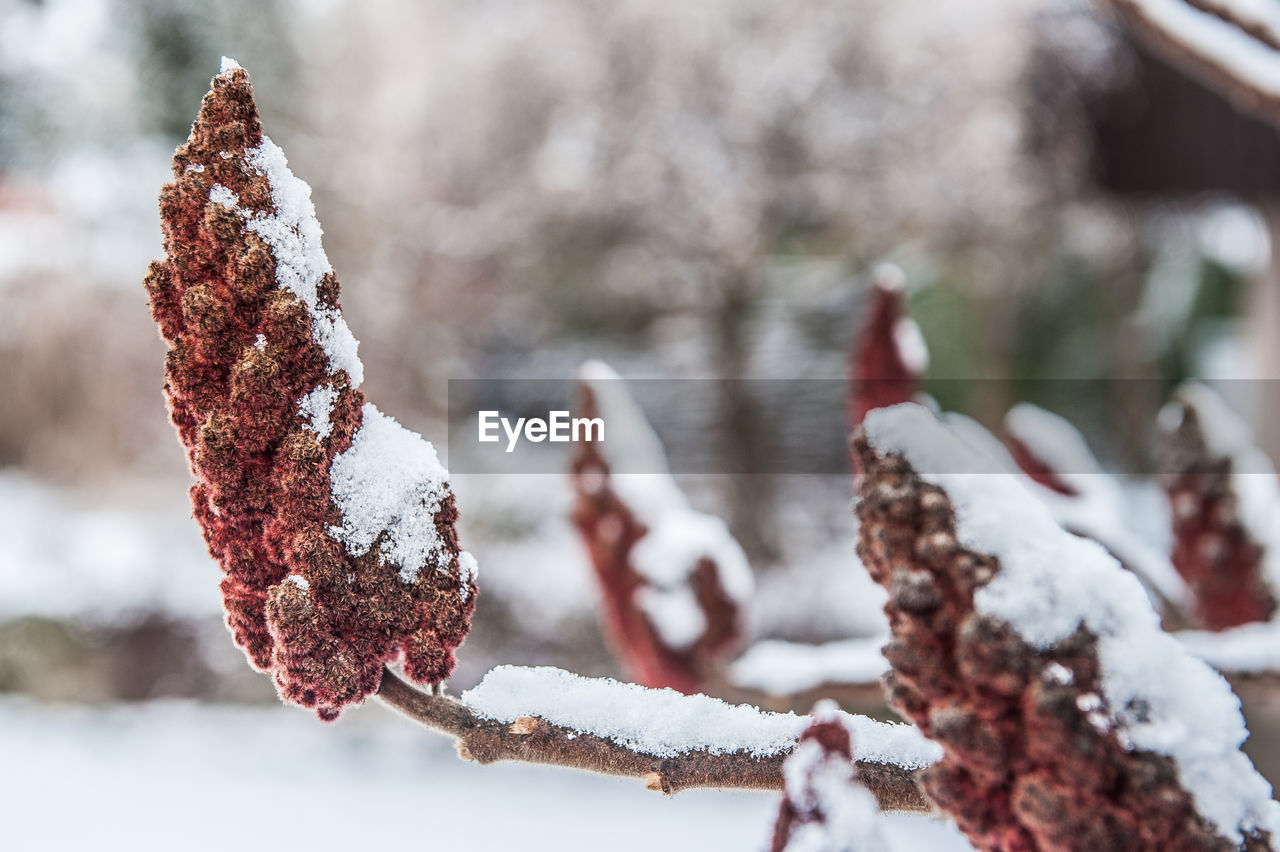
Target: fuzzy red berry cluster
1030 762
261 379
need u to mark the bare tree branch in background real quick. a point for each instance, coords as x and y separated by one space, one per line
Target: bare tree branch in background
1229 46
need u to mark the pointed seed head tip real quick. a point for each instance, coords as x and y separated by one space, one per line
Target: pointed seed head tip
227 66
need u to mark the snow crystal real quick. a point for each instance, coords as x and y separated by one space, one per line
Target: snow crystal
260 342
389 481
223 196
786 668
194 167
1051 583
315 408
227 66
665 723
299 581
678 536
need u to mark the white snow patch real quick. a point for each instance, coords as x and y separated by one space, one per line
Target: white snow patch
1059 674
180 755
100 559
260 342
679 539
1100 509
1053 440
1051 583
223 196
299 581
665 723
909 341
314 409
674 613
227 65
294 233
823 784
1253 648
194 167
468 572
786 668
389 481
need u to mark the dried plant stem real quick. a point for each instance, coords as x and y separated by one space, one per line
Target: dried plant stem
533 740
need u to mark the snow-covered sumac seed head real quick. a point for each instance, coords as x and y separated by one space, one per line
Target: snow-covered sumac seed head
333 524
1058 745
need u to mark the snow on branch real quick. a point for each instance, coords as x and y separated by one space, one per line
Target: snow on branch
1225 504
1229 45
674 582
670 740
889 353
825 809
1069 720
315 504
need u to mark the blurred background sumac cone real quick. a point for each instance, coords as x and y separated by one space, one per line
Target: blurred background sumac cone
673 582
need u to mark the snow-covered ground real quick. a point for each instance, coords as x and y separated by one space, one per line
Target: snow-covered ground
64 554
160 775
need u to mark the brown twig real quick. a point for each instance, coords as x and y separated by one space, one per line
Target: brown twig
533 740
